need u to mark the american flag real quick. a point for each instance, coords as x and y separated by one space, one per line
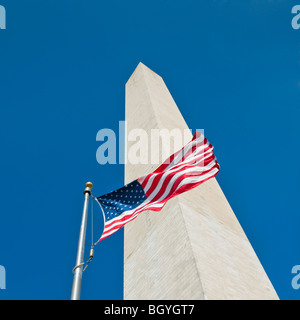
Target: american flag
186 169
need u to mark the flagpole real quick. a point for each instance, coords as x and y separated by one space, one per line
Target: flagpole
76 287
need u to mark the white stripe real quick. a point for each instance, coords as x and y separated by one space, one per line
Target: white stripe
185 150
158 203
171 169
193 160
195 179
178 174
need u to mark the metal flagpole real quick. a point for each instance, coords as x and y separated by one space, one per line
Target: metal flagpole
76 287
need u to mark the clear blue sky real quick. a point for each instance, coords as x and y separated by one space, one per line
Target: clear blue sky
233 70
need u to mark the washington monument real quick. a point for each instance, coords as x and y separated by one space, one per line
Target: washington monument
194 248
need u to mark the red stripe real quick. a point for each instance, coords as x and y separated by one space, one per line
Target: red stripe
167 179
171 158
195 158
177 182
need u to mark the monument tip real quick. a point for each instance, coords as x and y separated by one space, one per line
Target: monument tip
142 69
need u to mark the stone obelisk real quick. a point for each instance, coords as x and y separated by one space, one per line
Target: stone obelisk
194 248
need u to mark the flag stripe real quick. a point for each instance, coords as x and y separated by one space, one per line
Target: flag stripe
161 177
175 158
147 184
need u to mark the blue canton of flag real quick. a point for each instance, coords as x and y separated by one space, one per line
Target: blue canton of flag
126 198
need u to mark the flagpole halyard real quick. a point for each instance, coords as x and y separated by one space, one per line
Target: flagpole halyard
76 287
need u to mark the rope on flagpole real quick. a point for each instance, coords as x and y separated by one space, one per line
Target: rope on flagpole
103 217
92 220
87 262
92 245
